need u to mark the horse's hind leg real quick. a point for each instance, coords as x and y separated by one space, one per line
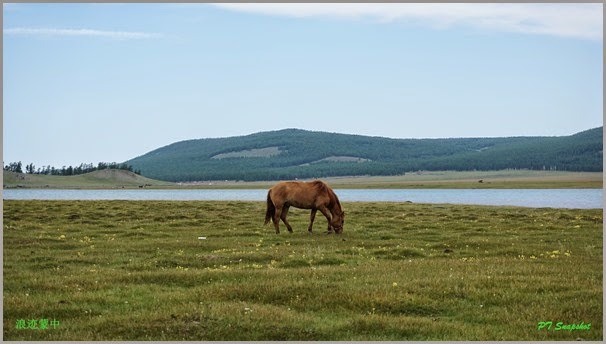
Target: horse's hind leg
283 217
312 217
276 219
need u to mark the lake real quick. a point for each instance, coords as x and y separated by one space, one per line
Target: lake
535 198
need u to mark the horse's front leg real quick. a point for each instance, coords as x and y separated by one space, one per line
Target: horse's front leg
312 217
328 216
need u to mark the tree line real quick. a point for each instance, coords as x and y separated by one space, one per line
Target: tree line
83 168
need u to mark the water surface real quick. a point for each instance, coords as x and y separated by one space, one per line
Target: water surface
536 198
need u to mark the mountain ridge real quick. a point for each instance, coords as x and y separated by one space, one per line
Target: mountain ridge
296 153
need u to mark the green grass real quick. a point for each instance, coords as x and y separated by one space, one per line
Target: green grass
120 270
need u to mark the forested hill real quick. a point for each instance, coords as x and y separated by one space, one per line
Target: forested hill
294 153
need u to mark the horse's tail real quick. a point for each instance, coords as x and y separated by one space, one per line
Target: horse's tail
271 209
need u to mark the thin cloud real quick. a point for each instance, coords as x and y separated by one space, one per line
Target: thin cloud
564 20
121 35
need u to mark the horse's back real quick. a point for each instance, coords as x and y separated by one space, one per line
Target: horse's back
296 186
299 194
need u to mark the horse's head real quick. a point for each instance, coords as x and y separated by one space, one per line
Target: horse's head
337 222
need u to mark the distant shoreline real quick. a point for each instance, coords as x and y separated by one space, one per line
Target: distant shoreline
504 179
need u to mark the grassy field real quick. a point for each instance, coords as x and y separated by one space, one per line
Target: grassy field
120 270
104 179
508 179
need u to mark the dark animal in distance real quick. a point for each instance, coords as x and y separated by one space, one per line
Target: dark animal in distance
314 195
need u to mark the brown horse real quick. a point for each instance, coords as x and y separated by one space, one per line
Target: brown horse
313 195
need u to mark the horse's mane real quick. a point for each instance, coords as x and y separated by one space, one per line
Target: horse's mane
322 187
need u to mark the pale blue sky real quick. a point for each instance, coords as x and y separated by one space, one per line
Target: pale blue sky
109 82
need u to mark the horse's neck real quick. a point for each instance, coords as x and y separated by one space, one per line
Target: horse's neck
336 206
